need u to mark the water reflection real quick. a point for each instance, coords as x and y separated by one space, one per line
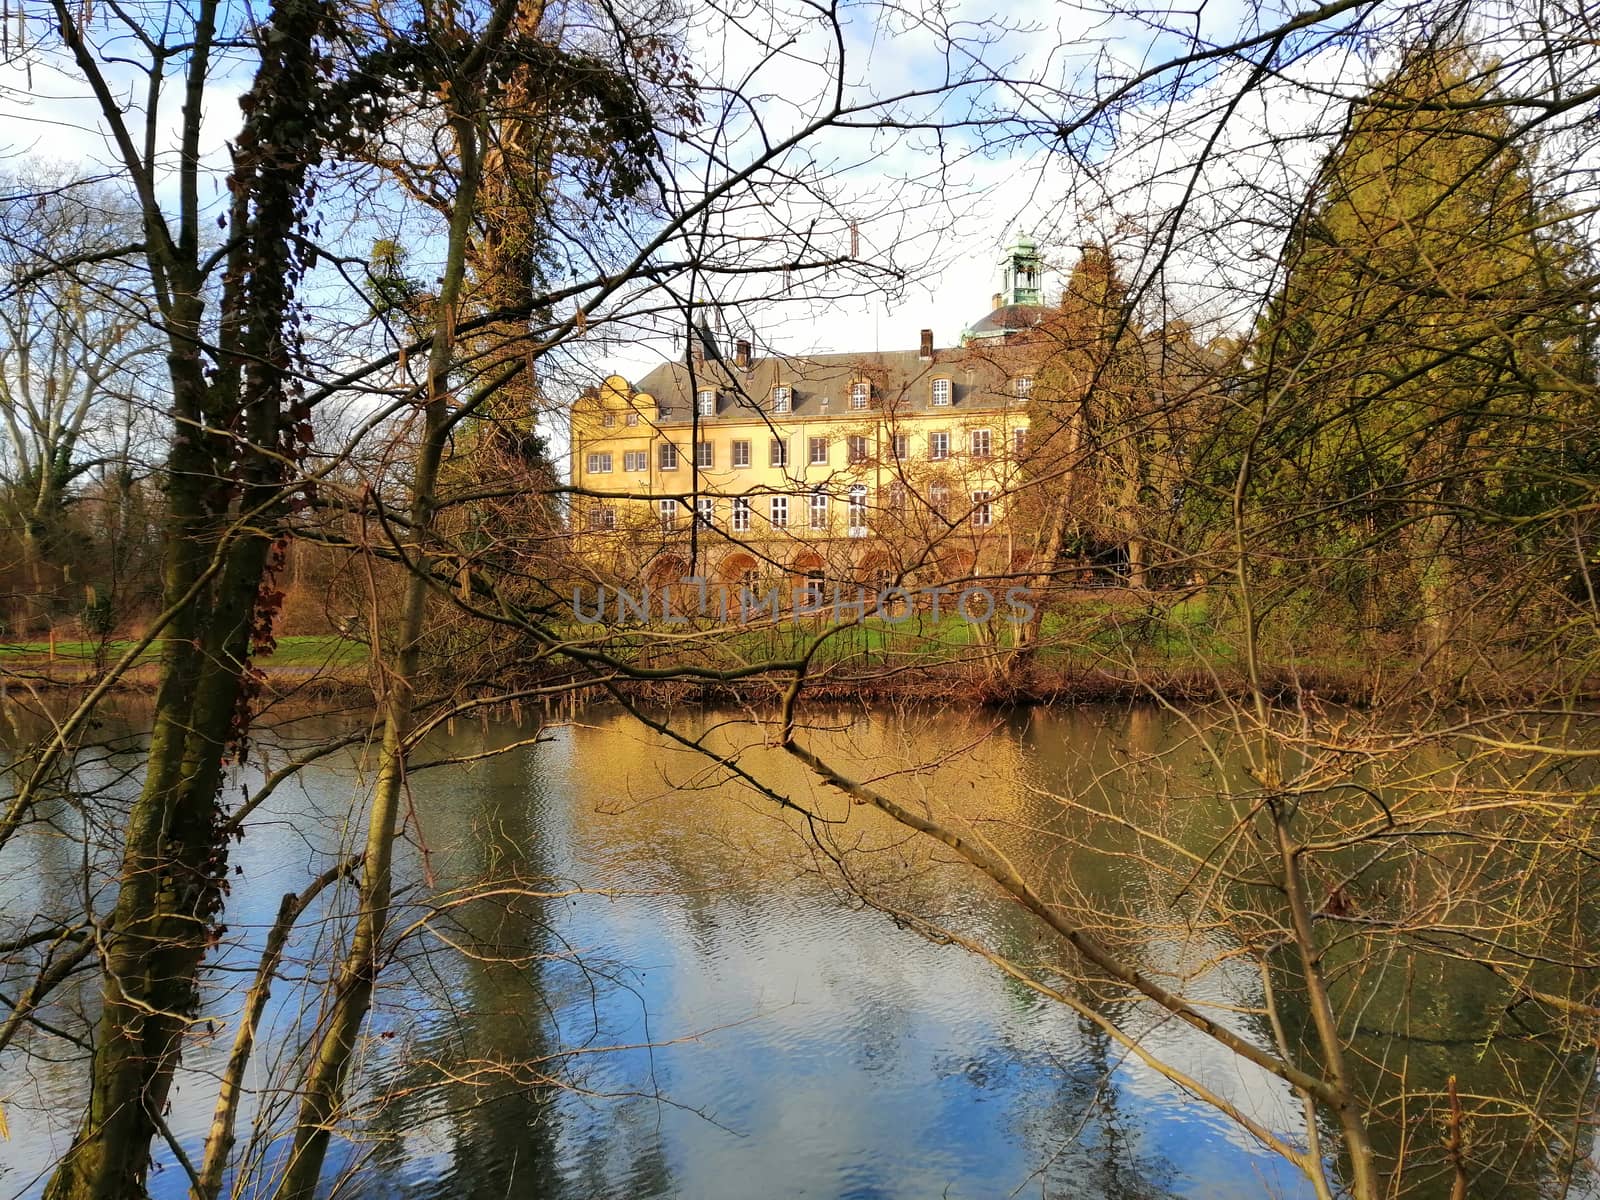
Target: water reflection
729 1020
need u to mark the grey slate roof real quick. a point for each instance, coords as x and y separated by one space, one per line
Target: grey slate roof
981 378
1009 318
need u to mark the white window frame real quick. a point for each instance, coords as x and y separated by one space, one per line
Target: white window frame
706 402
902 446
982 509
635 460
818 509
778 453
741 514
857 449
663 412
602 517
667 510
599 462
939 498
782 398
632 419
1019 440
668 456
812 445
941 392
857 513
897 496
740 455
938 446
705 510
860 394
778 512
1022 387
705 456
608 420
980 443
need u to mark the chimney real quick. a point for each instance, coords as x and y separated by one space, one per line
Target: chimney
702 345
741 354
927 346
997 299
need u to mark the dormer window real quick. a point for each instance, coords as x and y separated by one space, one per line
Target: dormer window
860 393
782 399
941 393
663 412
1022 386
607 420
706 400
633 418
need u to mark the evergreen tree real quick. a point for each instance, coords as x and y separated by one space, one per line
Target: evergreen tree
1422 364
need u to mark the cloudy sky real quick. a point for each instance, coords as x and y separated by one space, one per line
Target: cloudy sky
950 147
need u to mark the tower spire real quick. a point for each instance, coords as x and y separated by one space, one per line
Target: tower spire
1021 271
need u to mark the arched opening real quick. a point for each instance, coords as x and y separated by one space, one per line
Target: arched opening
664 570
873 571
809 571
739 578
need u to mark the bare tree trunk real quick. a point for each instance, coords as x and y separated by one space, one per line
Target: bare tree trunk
358 972
220 1138
1138 575
1347 1109
174 855
1027 638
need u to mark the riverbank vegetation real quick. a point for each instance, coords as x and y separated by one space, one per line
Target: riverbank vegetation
280 405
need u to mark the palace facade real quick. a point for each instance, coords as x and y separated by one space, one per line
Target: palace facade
863 467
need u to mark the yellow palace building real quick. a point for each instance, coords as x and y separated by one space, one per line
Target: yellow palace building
855 467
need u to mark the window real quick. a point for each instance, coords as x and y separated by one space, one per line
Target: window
941 393
857 448
1022 386
704 456
812 596
705 509
635 460
741 514
779 511
982 510
902 445
819 452
819 510
741 454
858 509
860 392
669 513
897 497
707 402
663 412
633 418
599 464
669 457
778 454
980 443
938 446
602 516
1019 441
939 498
608 419
782 399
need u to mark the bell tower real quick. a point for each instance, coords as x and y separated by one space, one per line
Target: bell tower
1021 272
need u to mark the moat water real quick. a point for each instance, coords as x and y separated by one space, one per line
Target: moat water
725 1017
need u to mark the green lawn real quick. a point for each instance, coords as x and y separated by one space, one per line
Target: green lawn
311 651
